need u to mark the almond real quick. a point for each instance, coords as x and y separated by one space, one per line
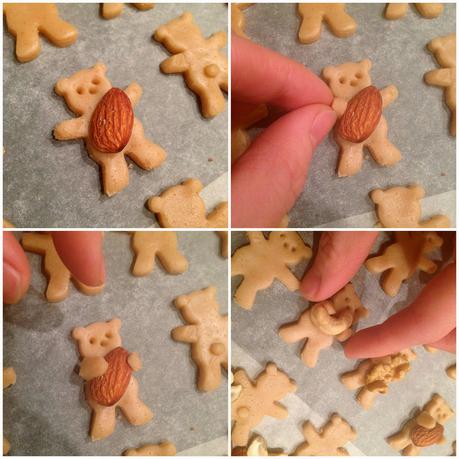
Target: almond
420 436
111 123
362 115
111 386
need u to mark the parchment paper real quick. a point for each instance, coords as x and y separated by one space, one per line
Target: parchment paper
45 412
418 120
49 183
320 393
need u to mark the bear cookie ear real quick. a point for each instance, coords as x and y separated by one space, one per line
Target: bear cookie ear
366 63
418 191
376 196
79 333
271 369
155 204
100 68
61 86
115 323
328 73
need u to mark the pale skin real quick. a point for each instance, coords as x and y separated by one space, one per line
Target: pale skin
430 319
81 252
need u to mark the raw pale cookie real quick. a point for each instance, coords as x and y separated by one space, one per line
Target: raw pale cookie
329 441
107 124
373 376
426 10
257 400
451 371
55 270
204 68
356 104
400 207
107 369
238 18
223 235
240 139
264 260
181 207
9 378
207 333
444 50
148 245
162 449
112 10
402 258
321 323
26 21
424 429
334 14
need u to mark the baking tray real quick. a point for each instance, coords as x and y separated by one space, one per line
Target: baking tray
418 120
50 183
255 342
45 413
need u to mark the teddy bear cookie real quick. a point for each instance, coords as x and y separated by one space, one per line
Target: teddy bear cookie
54 268
240 139
223 235
258 399
112 10
207 333
360 124
263 260
204 67
147 245
26 21
372 376
340 23
107 124
181 207
402 258
238 18
444 51
425 429
107 370
400 207
329 441
162 449
426 10
321 323
9 378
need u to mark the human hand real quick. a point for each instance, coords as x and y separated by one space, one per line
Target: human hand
269 176
80 251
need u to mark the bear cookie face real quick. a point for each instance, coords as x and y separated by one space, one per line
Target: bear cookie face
291 245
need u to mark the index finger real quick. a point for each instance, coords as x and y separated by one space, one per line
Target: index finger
260 75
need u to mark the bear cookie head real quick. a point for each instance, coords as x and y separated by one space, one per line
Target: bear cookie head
278 382
346 80
83 90
293 248
98 339
176 34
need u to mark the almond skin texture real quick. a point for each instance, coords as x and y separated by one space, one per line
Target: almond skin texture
111 123
111 386
421 437
362 115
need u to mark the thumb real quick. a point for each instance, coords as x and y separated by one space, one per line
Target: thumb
268 178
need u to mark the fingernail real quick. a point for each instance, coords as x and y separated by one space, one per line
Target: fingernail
311 285
321 125
102 272
11 284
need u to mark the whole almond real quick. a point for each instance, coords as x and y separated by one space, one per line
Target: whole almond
111 386
111 123
420 436
362 115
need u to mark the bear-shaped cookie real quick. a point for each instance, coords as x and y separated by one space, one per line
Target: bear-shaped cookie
400 207
26 21
181 207
264 260
83 93
258 399
424 429
107 369
112 10
346 81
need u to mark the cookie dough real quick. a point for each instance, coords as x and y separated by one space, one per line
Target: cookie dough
426 10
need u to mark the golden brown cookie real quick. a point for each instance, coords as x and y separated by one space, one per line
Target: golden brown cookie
107 369
26 21
112 10
204 67
181 207
107 125
426 10
55 270
162 449
207 333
